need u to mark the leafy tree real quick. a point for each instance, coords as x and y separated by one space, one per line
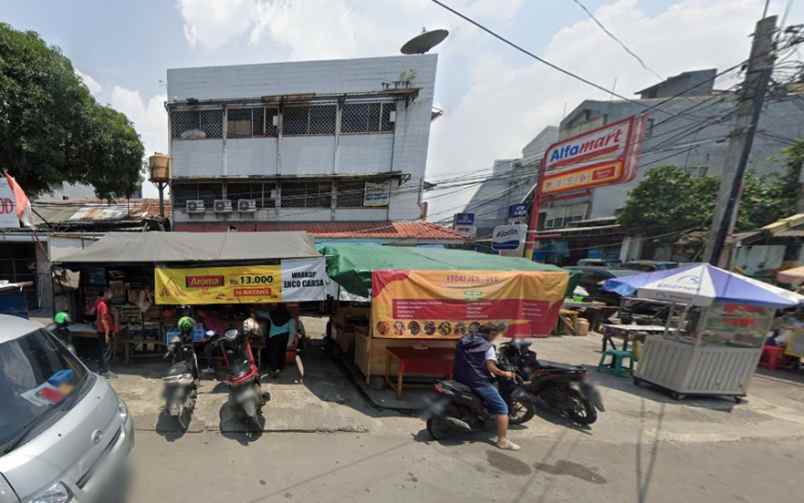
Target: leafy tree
669 200
51 128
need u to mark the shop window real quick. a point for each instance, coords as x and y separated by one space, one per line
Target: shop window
238 123
304 194
250 122
367 117
207 192
194 125
350 194
261 193
311 120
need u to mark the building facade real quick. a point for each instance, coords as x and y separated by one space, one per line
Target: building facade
689 131
314 141
510 182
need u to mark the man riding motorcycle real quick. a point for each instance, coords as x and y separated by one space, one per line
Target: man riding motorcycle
476 366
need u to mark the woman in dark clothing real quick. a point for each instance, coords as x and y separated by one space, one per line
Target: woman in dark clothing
278 335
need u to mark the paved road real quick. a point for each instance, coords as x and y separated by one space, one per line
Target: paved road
282 467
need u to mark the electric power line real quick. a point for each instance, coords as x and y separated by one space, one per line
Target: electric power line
617 39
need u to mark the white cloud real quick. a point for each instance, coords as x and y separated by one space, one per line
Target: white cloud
149 118
94 87
324 29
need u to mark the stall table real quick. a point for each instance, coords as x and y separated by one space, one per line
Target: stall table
598 311
628 333
431 361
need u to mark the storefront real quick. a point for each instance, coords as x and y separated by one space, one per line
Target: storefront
426 299
215 276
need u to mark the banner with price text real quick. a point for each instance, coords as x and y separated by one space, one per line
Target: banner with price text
449 304
293 281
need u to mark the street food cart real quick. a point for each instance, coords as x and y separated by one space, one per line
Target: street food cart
715 331
421 300
152 274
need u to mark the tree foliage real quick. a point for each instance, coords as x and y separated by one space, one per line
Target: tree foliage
669 200
51 128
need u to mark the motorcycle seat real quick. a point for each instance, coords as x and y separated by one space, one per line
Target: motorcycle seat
457 386
180 368
560 366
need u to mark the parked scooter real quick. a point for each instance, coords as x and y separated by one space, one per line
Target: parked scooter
242 375
458 408
564 388
181 381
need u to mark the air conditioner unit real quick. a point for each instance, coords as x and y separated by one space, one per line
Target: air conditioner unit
223 206
194 206
246 205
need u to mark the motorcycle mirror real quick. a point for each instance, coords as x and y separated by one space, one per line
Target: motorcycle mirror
210 333
232 333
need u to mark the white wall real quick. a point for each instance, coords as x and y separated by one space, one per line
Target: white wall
307 155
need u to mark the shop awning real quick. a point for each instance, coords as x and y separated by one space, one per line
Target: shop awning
175 247
350 265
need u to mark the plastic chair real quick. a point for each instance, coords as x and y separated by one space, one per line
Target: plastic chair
617 364
772 357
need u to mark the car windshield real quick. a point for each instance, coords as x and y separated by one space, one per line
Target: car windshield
37 374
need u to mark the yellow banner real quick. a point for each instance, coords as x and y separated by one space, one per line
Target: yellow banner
447 304
255 284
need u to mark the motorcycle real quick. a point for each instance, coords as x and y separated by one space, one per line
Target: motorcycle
564 388
181 381
459 408
242 375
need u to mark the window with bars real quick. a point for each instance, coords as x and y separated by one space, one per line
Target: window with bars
305 194
308 120
192 124
207 192
250 122
350 194
367 117
261 193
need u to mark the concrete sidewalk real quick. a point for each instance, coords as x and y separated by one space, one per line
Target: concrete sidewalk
324 402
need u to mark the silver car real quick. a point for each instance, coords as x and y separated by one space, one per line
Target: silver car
65 436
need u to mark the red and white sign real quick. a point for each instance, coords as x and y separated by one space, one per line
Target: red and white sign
8 206
602 156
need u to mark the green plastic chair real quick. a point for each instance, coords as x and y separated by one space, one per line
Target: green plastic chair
617 364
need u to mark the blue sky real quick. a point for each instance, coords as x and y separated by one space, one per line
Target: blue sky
495 99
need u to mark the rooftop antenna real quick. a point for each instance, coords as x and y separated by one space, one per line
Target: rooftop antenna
424 41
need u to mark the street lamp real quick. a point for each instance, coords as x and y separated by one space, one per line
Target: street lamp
159 174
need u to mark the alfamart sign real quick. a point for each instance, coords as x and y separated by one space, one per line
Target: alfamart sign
602 156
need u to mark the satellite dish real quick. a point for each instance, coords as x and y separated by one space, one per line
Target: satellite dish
424 42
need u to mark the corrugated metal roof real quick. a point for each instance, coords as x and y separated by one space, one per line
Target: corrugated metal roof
341 230
76 211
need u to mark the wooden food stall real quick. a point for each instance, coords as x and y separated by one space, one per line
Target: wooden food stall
152 274
422 300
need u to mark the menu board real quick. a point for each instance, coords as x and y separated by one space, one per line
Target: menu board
449 304
738 325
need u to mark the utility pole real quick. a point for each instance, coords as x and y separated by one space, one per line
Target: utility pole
749 107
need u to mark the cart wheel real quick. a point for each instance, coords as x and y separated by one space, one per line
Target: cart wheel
678 396
637 381
738 399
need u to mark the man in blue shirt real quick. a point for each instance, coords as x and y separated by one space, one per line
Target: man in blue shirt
475 366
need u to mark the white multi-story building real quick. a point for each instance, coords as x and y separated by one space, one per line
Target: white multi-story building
315 141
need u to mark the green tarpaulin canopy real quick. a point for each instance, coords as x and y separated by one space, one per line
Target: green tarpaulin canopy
350 265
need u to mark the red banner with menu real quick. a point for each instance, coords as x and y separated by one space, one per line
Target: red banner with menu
447 304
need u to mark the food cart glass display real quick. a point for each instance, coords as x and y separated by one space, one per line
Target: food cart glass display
713 350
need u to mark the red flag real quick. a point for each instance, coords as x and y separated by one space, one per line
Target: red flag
22 204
